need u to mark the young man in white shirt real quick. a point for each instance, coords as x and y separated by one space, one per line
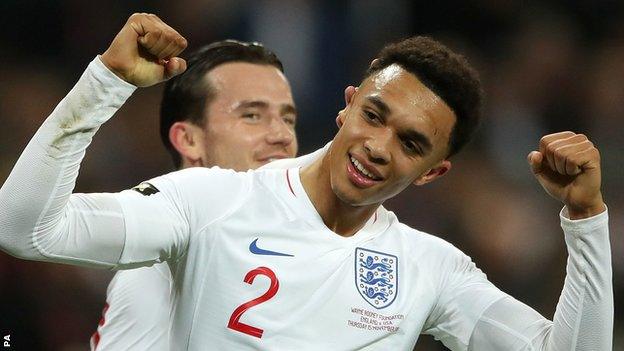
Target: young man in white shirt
232 108
307 258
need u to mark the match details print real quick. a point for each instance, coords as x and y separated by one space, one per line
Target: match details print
374 321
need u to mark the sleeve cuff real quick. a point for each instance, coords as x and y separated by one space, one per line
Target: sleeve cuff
583 225
98 94
107 76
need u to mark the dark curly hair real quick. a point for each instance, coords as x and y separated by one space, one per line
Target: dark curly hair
444 72
186 96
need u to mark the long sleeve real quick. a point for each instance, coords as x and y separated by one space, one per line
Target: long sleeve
584 316
39 219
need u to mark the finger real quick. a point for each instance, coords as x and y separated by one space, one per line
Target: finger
571 168
167 52
150 40
176 45
180 44
584 156
173 42
551 143
137 22
165 47
535 159
549 157
558 151
157 36
547 139
175 66
570 155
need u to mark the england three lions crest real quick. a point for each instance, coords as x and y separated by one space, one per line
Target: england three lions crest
376 277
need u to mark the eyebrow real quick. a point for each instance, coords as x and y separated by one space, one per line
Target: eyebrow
252 103
284 108
383 108
411 134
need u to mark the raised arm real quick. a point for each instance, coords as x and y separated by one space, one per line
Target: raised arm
472 314
39 218
567 166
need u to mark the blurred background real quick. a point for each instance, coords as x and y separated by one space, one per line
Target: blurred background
547 66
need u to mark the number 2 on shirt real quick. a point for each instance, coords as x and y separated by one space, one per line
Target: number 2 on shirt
234 322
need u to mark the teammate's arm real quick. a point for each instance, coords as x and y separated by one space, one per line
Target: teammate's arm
39 218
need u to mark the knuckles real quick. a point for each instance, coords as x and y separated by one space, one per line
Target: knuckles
158 30
574 148
136 16
181 42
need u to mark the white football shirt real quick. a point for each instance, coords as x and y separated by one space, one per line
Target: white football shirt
261 270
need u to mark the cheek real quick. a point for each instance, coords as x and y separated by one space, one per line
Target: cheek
347 134
355 125
406 169
293 148
236 134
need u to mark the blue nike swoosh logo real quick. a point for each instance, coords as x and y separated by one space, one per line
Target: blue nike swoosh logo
253 247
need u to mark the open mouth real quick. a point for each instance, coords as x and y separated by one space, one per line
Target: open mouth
362 170
359 175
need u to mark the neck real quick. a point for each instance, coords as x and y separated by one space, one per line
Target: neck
342 218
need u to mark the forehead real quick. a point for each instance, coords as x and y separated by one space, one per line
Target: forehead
235 81
412 104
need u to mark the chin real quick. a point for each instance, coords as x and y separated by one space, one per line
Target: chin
352 197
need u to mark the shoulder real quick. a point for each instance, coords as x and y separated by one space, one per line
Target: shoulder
199 184
211 194
433 244
431 251
213 178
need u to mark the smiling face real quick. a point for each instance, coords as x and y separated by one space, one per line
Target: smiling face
394 132
251 118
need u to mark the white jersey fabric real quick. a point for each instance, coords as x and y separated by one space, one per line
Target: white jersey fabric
254 267
137 312
136 315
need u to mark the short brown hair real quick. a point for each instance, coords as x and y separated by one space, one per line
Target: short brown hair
186 96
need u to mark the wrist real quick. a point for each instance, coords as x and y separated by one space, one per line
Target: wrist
586 212
111 66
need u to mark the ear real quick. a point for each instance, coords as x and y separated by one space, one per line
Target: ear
434 173
348 96
349 93
187 139
374 61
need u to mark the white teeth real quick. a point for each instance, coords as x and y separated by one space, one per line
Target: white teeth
272 159
361 168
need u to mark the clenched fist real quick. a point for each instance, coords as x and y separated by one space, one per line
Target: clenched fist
567 166
144 52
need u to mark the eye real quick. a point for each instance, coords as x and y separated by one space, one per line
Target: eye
290 120
372 116
252 116
412 147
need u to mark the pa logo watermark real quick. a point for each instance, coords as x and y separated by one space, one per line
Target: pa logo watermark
6 341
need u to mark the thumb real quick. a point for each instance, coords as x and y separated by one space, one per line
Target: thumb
174 66
535 159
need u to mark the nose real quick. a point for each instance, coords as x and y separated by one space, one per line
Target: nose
377 147
280 132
